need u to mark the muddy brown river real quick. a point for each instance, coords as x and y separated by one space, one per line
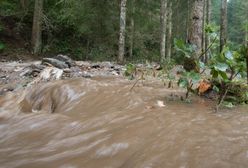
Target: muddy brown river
100 123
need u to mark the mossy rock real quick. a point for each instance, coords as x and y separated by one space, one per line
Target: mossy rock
237 93
190 64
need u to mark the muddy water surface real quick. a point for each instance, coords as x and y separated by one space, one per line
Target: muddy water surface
99 123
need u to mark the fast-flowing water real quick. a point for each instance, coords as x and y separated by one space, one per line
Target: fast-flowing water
100 123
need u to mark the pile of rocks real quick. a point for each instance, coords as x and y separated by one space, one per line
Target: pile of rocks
18 74
63 67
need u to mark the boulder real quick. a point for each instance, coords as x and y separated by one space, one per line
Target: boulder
107 65
55 62
66 59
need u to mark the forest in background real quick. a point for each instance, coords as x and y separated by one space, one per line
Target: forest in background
208 37
89 29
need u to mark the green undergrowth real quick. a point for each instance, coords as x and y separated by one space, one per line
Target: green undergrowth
227 77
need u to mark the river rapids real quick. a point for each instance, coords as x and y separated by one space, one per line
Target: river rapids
101 123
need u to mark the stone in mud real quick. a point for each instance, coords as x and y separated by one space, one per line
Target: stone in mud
66 59
107 65
56 63
86 75
75 72
67 70
95 66
83 63
26 72
8 88
36 69
75 69
31 70
3 76
37 66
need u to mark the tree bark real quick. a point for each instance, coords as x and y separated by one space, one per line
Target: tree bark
37 27
188 19
132 30
195 33
169 36
247 61
203 31
246 41
223 24
207 38
122 31
24 4
163 19
246 26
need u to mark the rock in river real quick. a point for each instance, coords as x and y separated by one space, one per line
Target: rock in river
57 63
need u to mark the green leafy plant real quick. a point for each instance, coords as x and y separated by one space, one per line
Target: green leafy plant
191 59
244 51
225 69
2 46
186 49
187 80
130 71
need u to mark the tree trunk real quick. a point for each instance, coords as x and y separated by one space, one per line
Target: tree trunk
203 31
247 61
195 33
122 32
223 24
207 38
169 36
37 27
24 4
188 19
163 20
246 26
132 30
246 41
